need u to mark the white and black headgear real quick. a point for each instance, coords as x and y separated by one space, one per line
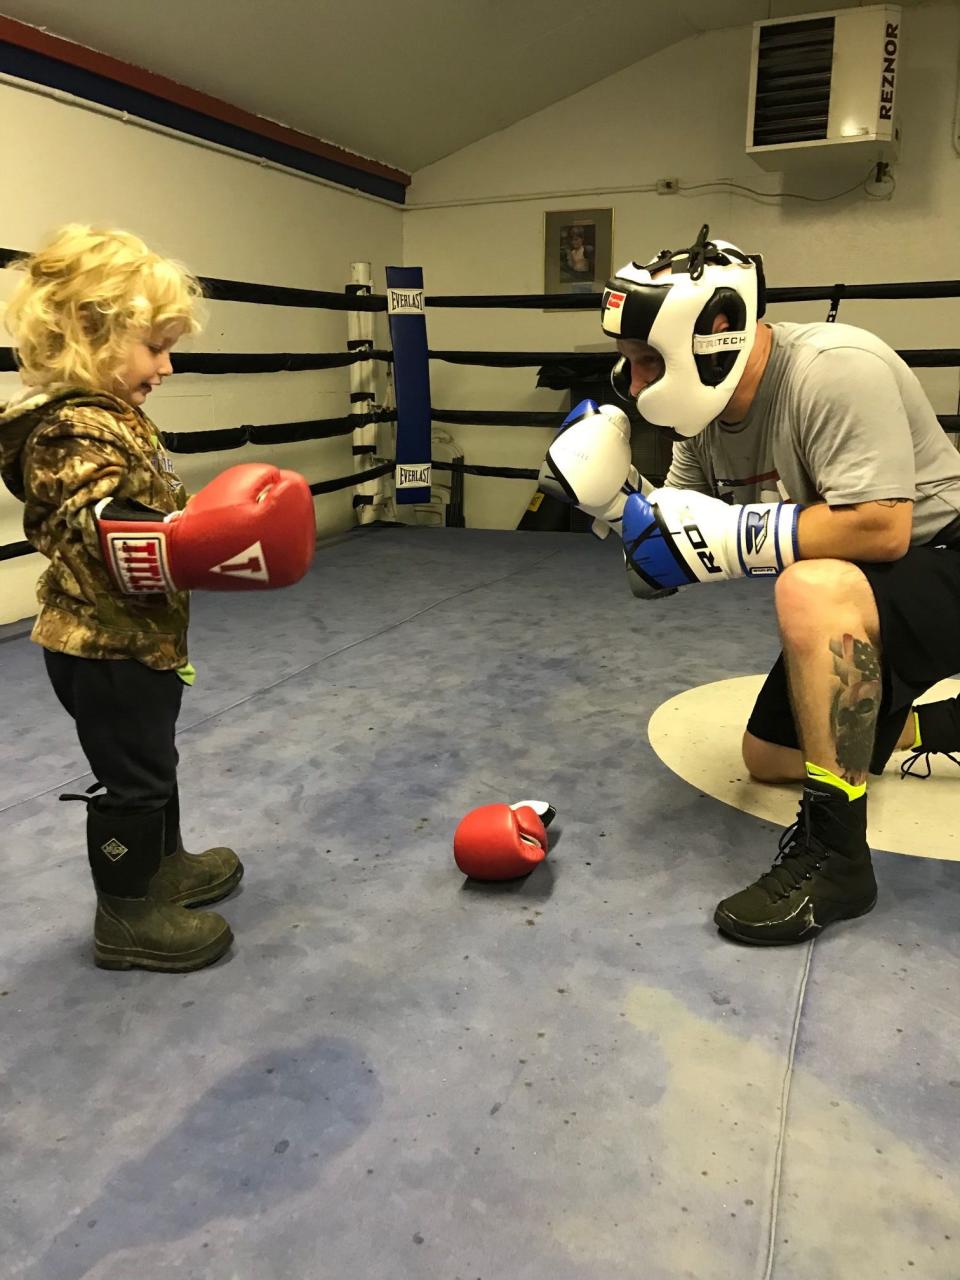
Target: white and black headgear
675 316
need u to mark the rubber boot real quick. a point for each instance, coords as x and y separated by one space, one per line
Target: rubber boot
192 879
132 929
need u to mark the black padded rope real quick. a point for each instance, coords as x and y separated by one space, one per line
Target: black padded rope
15 549
794 293
456 468
935 358
515 359
519 301
271 295
497 417
222 438
919 289
503 473
918 358
285 296
273 362
297 362
356 477
282 296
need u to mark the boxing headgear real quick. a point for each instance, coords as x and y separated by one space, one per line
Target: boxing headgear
675 315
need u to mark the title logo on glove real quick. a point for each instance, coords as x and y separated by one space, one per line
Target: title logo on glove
139 562
249 564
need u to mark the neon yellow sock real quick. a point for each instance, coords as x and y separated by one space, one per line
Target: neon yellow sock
916 731
818 774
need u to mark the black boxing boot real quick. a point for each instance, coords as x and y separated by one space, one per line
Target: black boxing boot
192 879
937 733
822 873
132 929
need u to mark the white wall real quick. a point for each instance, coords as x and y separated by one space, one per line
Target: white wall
680 113
222 216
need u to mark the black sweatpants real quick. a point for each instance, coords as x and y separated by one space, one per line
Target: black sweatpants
126 717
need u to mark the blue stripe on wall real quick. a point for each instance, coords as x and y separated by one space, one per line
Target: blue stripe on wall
27 65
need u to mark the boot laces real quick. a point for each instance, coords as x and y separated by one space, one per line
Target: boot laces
922 760
799 853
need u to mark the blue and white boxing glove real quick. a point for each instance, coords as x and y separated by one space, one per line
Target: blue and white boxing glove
674 537
589 464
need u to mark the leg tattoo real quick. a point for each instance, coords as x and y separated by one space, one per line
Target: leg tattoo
855 704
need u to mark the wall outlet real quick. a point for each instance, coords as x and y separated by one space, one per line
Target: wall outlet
668 186
880 184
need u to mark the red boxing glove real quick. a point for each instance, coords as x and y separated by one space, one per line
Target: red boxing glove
251 529
497 842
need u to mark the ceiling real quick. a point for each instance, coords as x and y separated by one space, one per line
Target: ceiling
405 82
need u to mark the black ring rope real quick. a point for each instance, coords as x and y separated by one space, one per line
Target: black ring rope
219 439
918 358
272 362
272 295
920 289
282 295
222 439
297 362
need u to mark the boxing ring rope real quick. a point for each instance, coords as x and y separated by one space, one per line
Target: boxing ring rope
360 303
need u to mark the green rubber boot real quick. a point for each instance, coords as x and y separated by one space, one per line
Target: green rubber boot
192 879
141 933
132 929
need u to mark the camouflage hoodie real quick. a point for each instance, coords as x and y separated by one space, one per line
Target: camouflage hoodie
62 449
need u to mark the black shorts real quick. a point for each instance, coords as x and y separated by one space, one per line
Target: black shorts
918 601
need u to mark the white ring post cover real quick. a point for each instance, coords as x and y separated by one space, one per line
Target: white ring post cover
363 397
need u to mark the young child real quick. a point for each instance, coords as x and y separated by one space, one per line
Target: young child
94 321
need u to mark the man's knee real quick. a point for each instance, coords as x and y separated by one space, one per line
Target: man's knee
815 594
769 762
756 756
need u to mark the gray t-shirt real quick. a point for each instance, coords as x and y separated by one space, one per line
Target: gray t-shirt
838 418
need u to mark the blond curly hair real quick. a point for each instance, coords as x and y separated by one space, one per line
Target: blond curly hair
86 296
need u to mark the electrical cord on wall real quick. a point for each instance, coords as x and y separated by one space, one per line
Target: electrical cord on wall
878 175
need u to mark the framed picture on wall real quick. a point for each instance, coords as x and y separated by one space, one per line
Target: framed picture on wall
577 250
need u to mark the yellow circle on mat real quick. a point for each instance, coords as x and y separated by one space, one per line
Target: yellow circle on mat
698 733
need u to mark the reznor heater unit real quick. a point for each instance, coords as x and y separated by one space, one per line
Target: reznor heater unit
823 87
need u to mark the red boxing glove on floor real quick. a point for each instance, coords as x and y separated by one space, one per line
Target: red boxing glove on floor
251 529
497 842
